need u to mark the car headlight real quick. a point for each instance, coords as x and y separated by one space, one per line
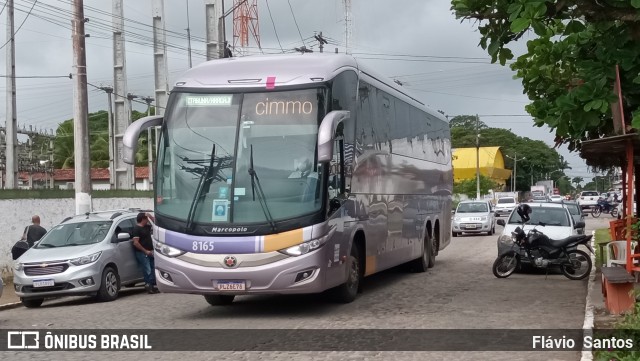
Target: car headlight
85 259
505 238
167 250
483 218
18 266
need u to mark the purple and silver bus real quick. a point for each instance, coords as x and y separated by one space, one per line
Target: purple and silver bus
294 174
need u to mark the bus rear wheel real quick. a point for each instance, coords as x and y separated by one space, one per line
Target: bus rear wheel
219 300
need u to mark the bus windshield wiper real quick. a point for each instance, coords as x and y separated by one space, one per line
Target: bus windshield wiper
205 177
263 201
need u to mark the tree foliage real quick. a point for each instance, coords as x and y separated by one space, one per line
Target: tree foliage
540 160
63 152
469 187
568 70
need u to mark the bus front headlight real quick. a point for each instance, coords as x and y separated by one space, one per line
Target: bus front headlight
167 250
302 248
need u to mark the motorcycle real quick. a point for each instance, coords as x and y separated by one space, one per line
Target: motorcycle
543 252
604 207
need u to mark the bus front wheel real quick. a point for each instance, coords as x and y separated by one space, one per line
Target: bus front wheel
347 292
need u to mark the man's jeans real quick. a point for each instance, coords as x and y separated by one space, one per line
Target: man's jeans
147 266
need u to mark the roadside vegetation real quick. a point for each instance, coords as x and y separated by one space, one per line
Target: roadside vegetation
69 193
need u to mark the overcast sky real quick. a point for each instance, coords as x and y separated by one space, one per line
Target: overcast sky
419 43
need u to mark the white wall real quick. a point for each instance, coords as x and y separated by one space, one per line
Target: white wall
16 215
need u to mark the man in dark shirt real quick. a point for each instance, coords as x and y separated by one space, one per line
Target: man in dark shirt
34 232
143 245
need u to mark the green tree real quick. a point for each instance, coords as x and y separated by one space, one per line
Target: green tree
577 181
568 69
63 156
469 187
540 158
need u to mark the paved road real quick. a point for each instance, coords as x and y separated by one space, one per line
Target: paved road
459 293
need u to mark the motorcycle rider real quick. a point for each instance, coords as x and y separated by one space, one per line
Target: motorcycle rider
523 211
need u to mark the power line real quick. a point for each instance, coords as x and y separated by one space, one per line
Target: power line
422 56
19 27
37 76
294 20
274 25
465 96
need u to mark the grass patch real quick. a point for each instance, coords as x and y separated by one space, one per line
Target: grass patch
626 328
602 236
70 193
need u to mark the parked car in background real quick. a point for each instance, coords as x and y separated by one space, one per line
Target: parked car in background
557 220
588 199
556 198
539 199
474 217
88 254
576 213
505 205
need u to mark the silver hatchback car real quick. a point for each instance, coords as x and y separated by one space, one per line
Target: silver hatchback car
474 217
90 254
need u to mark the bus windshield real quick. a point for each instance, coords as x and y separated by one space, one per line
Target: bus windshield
225 157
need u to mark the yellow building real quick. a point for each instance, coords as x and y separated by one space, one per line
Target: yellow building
491 164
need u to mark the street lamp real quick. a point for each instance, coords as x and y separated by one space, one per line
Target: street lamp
515 169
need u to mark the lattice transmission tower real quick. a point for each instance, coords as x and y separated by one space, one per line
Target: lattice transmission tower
245 22
348 23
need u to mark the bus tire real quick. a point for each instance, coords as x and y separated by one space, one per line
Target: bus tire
432 250
421 264
219 300
347 292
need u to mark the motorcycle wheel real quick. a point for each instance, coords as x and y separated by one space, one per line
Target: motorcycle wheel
579 266
614 212
505 265
595 211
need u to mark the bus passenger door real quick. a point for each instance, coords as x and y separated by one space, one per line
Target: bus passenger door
338 200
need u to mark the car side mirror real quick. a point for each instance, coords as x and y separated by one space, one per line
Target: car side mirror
123 237
501 222
579 225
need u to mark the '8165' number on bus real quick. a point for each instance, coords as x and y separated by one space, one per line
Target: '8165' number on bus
202 246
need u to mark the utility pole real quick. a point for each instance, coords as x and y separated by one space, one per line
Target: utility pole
188 40
321 40
215 37
11 127
130 98
112 176
477 157
160 57
81 152
149 100
124 172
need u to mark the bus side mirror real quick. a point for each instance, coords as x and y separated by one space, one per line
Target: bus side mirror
131 135
326 133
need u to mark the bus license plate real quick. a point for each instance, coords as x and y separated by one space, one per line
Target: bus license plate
231 286
43 283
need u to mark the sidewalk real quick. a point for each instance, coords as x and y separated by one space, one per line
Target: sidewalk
9 298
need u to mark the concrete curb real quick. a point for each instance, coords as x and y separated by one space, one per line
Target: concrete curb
587 326
9 306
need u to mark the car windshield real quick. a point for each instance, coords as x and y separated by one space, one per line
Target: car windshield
506 200
472 208
573 209
75 234
547 215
